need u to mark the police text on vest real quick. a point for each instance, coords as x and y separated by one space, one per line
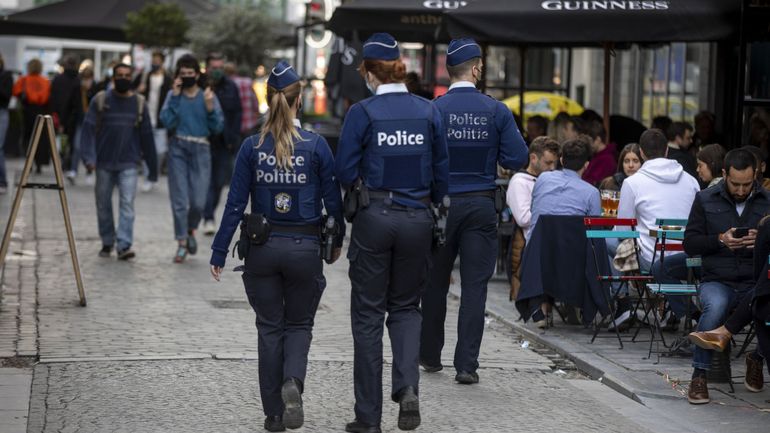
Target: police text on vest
400 138
467 126
276 175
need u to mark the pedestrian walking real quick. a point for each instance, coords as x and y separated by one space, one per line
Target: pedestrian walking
194 114
481 133
224 144
288 174
116 137
392 159
154 84
6 87
66 107
34 91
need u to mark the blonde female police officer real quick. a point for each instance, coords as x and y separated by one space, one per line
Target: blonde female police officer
391 144
287 173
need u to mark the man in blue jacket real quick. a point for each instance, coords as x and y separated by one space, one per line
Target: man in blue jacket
117 134
480 133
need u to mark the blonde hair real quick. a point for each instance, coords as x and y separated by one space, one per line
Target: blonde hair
280 123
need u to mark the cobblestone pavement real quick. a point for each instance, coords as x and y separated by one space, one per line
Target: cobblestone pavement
161 347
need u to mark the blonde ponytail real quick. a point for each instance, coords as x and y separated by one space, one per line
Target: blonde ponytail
280 123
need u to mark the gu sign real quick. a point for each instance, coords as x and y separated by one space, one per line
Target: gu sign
445 4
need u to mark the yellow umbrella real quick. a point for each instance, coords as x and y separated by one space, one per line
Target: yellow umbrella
544 104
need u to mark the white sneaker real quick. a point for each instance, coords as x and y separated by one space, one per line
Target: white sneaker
209 228
90 179
621 318
3 190
71 175
147 186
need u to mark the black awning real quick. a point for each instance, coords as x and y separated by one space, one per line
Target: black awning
588 22
101 20
406 20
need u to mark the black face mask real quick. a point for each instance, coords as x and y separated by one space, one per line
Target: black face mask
188 82
122 85
154 68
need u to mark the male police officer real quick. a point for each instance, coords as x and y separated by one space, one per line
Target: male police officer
392 144
480 133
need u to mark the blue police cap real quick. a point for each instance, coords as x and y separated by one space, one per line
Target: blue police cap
282 75
381 46
462 50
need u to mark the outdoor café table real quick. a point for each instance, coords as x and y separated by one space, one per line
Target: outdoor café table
558 263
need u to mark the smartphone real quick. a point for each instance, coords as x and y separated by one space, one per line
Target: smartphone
740 232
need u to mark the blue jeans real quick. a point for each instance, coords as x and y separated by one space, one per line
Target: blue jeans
76 150
3 130
189 174
106 181
221 171
716 300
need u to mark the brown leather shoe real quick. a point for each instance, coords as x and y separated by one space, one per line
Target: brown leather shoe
755 379
699 391
709 340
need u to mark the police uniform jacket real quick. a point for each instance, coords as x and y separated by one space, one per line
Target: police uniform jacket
394 142
293 197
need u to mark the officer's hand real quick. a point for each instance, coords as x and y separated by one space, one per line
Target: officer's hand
208 97
336 255
177 88
216 272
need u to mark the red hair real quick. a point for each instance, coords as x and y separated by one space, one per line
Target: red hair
386 71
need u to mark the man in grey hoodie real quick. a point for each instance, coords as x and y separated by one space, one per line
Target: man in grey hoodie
660 189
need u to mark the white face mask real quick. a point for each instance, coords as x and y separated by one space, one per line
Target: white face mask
369 86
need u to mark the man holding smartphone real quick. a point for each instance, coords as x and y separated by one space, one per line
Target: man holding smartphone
722 230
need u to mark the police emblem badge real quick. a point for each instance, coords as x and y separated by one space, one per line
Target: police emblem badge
282 202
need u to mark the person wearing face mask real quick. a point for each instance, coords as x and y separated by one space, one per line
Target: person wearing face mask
224 144
481 133
194 114
392 155
113 145
155 84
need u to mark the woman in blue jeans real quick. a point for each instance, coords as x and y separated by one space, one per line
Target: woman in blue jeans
193 114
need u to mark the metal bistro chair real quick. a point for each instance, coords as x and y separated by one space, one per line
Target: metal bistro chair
669 229
602 229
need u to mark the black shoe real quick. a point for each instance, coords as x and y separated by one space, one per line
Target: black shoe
126 254
274 423
192 244
105 251
359 427
431 368
466 378
293 415
408 409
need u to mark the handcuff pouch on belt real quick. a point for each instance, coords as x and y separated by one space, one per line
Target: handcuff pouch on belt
255 230
356 198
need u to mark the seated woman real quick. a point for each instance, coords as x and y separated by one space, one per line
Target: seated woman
754 306
710 160
629 162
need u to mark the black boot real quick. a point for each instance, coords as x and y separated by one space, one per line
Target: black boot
274 423
359 427
293 414
408 409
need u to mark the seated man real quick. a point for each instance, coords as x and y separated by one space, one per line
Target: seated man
722 230
604 159
543 154
660 189
679 136
563 192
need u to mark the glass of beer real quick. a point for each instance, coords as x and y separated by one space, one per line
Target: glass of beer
610 200
605 194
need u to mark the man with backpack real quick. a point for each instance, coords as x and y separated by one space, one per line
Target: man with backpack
117 135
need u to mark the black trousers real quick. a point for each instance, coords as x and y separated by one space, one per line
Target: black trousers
389 255
471 232
761 320
284 282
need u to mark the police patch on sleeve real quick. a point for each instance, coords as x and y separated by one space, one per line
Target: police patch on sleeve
282 202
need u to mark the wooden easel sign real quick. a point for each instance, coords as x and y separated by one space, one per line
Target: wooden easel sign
44 124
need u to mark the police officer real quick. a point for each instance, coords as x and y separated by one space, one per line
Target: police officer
393 144
287 172
480 133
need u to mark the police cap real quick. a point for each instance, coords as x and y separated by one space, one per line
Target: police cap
282 76
462 50
381 46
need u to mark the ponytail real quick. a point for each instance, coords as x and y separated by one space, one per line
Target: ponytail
280 123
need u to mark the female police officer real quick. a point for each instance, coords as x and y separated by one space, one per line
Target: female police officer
391 145
286 171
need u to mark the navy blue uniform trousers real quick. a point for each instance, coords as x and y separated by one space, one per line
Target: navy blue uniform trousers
389 255
471 232
284 282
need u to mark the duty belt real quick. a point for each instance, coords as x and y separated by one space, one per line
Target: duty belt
391 195
306 229
487 193
193 138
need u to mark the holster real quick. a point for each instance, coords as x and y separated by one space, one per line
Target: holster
355 199
499 198
255 230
